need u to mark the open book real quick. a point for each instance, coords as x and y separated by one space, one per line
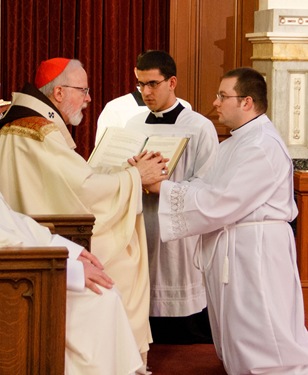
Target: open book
117 145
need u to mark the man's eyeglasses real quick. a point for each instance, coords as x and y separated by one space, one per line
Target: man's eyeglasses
85 90
222 97
150 84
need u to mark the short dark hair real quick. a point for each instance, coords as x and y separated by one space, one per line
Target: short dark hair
154 59
250 83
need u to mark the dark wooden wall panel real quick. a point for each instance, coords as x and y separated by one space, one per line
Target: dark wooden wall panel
207 39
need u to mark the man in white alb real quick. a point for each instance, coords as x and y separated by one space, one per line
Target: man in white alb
243 209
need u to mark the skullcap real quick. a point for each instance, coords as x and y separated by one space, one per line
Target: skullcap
48 70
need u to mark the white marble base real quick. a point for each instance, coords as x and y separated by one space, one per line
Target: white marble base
283 4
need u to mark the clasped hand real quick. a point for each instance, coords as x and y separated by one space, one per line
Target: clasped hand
151 166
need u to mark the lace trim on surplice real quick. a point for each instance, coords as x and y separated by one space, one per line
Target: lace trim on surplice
177 205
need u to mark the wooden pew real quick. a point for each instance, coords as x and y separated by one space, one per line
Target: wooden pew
32 312
33 299
77 228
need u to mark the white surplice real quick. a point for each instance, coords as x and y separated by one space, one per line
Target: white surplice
177 288
254 293
118 111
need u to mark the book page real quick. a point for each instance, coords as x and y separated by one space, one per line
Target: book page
116 146
170 147
166 145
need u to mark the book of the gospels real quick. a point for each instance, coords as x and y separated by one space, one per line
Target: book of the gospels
117 145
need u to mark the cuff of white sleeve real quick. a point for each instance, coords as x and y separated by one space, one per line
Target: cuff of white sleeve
75 275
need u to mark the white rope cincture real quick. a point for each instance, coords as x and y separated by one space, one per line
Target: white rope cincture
197 259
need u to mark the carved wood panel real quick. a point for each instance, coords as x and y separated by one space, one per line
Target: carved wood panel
32 313
77 228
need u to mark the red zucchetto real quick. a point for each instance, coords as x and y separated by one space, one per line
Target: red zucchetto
49 70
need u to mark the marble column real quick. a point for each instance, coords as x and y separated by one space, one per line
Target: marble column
280 52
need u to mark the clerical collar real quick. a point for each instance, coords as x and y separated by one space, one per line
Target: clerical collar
233 130
168 116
